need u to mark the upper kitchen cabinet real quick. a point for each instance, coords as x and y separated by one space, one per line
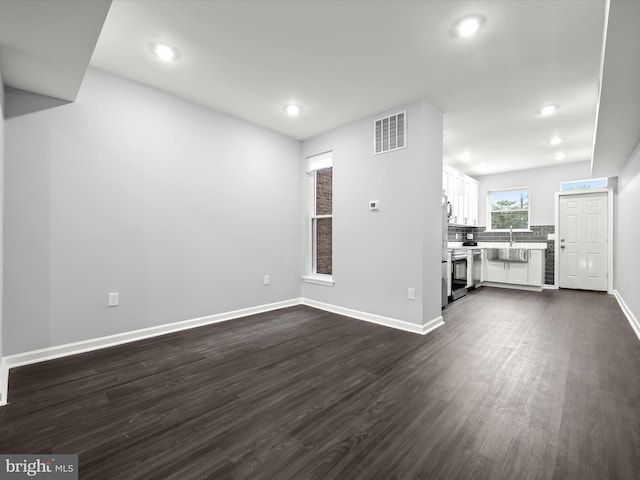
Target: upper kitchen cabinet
462 192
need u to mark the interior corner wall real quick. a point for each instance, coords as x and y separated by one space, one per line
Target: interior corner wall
378 255
180 209
1 212
626 270
543 183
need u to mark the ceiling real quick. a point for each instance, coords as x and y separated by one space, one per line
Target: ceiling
45 47
618 127
346 60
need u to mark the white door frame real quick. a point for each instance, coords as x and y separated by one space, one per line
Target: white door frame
609 192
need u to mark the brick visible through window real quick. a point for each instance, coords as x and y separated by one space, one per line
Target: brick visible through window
323 226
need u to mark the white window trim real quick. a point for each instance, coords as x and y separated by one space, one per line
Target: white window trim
590 189
488 214
326 280
315 163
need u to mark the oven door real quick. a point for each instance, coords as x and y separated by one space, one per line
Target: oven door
459 272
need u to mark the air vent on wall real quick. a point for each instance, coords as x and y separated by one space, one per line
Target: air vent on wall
390 133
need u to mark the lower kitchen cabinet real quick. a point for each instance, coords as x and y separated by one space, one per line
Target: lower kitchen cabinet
506 272
536 267
495 271
516 273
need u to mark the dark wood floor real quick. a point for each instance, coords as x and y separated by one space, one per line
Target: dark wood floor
515 385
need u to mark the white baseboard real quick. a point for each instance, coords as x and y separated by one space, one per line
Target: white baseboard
11 361
377 319
513 286
550 287
633 321
35 356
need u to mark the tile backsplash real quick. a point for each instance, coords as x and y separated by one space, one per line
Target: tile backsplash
538 234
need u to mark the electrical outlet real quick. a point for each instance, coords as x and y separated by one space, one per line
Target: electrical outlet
411 294
267 280
114 299
469 236
457 236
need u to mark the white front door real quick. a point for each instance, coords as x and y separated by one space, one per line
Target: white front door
582 234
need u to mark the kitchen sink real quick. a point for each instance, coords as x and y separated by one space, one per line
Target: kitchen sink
508 254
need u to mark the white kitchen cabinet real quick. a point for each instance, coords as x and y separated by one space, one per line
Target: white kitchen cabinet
495 271
506 272
462 193
470 214
516 273
536 267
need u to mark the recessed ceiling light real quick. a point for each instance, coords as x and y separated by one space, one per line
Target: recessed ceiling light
548 110
293 110
164 52
556 140
468 26
559 156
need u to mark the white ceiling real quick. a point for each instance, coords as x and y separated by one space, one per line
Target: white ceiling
618 128
45 46
345 60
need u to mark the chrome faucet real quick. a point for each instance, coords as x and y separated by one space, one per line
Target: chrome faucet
511 235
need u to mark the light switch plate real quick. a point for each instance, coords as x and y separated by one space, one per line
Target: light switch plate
114 299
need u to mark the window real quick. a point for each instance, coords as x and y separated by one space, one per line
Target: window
583 184
509 209
320 170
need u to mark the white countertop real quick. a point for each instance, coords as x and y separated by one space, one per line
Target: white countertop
530 246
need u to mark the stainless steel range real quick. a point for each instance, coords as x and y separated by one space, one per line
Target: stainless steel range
465 270
458 273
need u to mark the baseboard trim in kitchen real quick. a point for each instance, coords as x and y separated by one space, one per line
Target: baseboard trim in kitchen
513 286
633 321
377 319
26 358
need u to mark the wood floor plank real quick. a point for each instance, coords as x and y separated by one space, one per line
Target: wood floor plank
515 385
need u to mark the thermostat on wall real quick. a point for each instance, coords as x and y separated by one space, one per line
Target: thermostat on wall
374 205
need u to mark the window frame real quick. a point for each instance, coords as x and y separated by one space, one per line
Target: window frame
315 164
489 227
588 183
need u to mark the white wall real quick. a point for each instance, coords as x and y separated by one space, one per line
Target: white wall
377 256
543 183
1 212
180 209
627 234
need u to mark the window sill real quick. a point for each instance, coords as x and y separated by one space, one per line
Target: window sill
325 280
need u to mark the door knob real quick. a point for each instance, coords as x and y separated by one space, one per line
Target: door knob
562 246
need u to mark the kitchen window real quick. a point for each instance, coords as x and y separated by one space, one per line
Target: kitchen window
320 262
508 209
